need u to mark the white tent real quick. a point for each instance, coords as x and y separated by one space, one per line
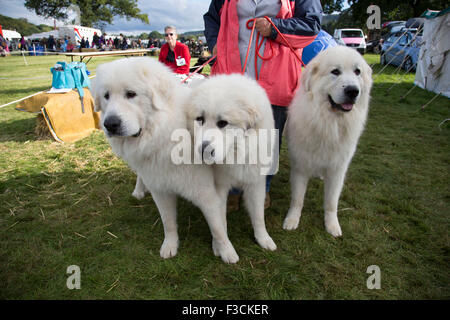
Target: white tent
10 34
42 35
433 66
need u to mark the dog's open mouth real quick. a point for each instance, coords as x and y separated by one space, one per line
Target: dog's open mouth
137 134
343 107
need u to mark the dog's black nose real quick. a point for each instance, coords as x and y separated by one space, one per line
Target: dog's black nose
351 92
205 144
112 124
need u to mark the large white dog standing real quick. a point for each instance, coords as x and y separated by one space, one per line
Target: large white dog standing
237 113
141 104
326 119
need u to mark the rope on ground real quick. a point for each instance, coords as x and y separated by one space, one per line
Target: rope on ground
443 123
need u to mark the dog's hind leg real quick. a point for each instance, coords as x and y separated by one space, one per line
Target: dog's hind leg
167 206
254 196
299 183
333 183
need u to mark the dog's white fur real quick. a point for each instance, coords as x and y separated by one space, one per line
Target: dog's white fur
152 113
245 108
323 139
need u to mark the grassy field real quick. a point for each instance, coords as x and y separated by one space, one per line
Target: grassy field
71 204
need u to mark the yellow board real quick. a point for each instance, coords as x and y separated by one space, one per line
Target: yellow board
63 114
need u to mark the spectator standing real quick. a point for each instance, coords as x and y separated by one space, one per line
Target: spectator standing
23 44
51 44
228 36
124 45
96 41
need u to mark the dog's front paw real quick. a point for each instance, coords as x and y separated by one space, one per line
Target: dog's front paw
332 226
292 219
169 248
266 242
225 251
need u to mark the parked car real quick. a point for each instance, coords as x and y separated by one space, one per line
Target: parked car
378 37
353 38
402 49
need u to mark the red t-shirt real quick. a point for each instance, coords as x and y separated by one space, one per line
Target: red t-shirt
181 52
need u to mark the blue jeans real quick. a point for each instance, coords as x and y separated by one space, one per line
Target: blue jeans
279 116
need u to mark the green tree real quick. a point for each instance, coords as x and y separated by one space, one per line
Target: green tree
143 35
22 26
93 12
330 6
155 35
394 10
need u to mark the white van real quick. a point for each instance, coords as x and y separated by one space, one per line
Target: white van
76 33
353 38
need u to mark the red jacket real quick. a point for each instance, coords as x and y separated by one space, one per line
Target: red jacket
280 75
181 51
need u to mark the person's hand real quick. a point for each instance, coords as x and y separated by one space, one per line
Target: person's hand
214 50
263 26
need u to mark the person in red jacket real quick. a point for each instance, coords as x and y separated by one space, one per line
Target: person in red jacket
173 53
271 62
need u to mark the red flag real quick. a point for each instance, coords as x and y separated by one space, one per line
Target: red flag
1 31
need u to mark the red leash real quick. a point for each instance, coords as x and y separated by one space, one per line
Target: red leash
196 70
259 45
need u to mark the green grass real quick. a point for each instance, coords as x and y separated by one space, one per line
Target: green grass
60 203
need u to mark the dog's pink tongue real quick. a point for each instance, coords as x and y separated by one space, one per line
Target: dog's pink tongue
347 106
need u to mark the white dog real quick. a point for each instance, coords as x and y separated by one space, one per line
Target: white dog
141 104
228 116
326 119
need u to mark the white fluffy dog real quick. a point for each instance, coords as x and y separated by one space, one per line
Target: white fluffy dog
141 104
228 116
326 119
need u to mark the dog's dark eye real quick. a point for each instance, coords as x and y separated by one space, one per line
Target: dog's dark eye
200 119
336 72
130 94
222 123
106 95
357 71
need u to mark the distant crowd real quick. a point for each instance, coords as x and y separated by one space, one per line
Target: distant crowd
101 43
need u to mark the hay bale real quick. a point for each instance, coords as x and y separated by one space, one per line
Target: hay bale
41 130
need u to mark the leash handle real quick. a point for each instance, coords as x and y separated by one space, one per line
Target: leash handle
285 40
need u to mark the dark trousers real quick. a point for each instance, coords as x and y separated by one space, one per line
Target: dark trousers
279 116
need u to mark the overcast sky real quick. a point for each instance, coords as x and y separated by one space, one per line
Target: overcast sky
186 15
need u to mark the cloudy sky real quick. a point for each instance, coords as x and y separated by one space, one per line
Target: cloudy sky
186 15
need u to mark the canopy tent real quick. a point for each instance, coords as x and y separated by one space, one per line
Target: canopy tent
10 34
42 35
433 66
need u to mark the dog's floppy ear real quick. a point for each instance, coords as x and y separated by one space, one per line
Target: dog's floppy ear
309 72
252 115
367 75
96 94
158 84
